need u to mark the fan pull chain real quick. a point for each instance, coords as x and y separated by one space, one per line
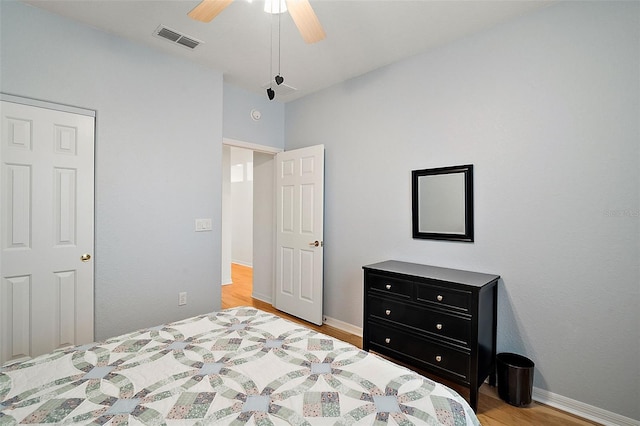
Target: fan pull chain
279 79
270 93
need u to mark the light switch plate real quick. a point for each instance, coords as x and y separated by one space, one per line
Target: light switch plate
203 225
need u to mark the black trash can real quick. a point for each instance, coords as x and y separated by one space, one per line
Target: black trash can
515 378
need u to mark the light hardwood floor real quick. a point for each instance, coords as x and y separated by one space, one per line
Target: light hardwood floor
492 411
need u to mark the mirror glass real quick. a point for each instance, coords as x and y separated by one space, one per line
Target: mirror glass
443 203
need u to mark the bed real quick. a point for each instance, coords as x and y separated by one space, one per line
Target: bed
233 367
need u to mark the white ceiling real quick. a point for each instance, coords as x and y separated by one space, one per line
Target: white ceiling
362 35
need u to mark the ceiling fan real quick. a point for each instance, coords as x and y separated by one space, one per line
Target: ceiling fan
300 10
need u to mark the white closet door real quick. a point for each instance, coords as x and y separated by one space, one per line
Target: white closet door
46 230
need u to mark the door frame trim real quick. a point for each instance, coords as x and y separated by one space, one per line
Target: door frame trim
47 105
252 146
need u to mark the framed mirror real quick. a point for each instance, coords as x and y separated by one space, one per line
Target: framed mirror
442 203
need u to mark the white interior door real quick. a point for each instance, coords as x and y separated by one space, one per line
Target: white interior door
299 232
46 230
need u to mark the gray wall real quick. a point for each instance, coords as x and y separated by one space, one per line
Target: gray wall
242 207
547 109
238 124
158 147
263 226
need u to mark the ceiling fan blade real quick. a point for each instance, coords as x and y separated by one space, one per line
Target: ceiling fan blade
306 20
208 9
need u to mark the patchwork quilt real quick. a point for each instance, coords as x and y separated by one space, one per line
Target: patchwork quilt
233 367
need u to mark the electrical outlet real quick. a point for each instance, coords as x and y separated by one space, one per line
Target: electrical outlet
182 298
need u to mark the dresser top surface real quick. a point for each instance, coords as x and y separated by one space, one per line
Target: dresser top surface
434 272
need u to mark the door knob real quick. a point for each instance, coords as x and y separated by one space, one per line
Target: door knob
315 243
85 257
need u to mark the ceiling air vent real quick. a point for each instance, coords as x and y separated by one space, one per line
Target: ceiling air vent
177 37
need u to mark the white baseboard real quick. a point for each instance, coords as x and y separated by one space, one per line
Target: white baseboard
341 325
262 298
581 409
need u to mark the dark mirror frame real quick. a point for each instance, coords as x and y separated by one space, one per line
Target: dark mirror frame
417 209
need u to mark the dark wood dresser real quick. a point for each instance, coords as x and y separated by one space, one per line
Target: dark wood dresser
440 320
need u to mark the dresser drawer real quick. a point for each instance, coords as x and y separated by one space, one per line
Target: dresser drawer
390 286
436 323
390 341
444 297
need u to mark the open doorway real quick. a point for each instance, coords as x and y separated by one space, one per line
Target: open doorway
248 220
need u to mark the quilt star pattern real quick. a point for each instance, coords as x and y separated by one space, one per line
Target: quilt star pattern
234 367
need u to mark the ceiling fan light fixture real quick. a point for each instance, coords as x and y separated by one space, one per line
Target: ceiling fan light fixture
275 6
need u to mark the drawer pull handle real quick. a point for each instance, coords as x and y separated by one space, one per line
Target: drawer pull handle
438 358
387 340
439 298
388 286
388 312
439 326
